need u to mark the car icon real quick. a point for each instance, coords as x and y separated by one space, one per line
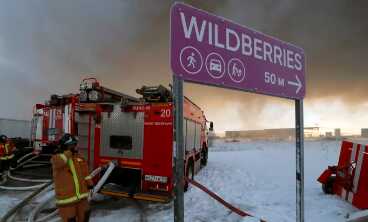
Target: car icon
215 65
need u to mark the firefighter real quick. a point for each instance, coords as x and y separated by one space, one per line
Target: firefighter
6 154
71 180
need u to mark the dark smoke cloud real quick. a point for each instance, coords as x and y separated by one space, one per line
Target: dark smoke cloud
49 46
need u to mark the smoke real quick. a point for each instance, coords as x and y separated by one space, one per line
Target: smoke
47 47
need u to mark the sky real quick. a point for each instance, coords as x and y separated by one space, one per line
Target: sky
48 47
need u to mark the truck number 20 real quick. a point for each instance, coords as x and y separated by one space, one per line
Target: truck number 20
165 113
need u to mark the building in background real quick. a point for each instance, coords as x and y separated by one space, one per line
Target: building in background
15 128
338 133
364 132
272 134
328 135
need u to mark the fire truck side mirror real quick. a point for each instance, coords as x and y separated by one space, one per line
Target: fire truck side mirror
211 126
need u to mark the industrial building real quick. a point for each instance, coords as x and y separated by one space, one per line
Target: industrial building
338 133
15 128
364 132
270 134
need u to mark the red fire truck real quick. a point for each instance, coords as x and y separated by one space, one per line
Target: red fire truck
51 120
136 133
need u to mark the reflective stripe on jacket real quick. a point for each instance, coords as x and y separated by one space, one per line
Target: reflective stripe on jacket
69 173
6 151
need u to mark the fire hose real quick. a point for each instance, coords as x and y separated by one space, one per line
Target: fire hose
103 179
32 216
50 217
24 157
23 163
22 188
24 202
22 179
28 180
220 200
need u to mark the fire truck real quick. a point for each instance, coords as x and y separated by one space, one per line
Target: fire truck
137 134
51 120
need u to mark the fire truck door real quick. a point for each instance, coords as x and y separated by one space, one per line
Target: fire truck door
122 134
67 119
37 130
86 130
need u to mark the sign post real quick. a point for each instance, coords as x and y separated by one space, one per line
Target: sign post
299 137
179 150
211 50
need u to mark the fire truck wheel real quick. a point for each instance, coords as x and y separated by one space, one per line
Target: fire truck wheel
328 187
189 174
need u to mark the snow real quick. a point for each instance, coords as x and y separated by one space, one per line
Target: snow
360 216
256 176
8 199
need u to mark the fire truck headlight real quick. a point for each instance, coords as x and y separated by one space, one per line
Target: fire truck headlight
83 96
93 95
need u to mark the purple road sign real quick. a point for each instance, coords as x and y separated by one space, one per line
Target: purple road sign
211 50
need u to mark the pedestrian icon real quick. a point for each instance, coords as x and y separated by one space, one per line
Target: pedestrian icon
215 65
236 70
191 60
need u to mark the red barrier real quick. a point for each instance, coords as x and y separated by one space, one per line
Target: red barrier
349 179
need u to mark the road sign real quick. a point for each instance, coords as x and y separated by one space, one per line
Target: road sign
211 50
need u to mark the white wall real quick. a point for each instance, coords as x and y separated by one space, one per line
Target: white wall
15 128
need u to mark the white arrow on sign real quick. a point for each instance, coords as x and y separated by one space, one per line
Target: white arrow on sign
297 83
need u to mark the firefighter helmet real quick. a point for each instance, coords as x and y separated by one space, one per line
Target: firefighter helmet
3 138
68 139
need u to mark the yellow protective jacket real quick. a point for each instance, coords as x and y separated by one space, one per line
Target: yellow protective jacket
71 180
6 151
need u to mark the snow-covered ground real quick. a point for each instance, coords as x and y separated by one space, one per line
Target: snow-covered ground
258 177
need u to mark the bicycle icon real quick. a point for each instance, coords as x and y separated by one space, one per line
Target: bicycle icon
236 70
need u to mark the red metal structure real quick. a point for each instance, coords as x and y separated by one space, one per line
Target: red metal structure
136 133
349 179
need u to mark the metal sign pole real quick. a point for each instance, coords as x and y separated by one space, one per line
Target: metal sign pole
179 163
299 129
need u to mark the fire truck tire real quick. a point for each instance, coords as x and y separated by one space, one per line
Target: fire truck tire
204 158
328 187
189 174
